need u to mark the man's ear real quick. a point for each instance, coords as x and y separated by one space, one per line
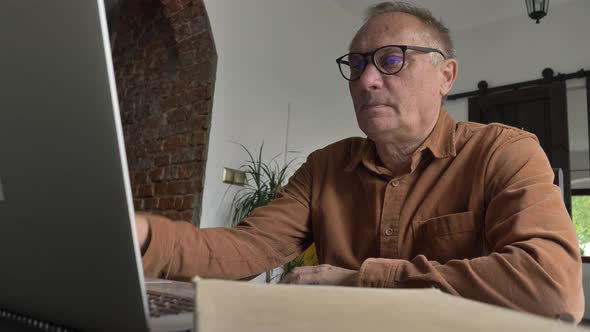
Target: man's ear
448 71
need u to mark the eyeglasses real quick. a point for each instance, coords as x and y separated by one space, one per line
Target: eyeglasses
389 60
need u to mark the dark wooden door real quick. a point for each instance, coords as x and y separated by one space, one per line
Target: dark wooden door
541 110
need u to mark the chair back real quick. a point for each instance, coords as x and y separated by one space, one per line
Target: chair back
558 180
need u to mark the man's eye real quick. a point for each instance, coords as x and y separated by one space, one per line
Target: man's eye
391 63
358 65
393 60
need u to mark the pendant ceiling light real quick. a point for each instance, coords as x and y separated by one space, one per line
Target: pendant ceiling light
537 9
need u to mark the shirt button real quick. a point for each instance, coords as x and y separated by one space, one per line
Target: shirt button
395 183
389 232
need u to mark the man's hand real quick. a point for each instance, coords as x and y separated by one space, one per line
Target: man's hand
321 275
143 231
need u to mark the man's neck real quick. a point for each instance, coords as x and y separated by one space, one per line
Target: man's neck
396 152
397 157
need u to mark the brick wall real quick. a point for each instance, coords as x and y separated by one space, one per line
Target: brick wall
165 63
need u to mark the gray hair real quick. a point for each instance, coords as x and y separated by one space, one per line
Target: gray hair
442 33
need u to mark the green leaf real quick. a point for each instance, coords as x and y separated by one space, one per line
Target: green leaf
581 219
263 180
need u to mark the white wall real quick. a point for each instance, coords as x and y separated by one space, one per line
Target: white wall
271 53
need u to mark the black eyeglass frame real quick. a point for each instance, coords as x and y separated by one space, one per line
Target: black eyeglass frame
340 61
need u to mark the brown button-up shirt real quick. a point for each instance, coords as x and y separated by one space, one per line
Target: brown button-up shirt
476 215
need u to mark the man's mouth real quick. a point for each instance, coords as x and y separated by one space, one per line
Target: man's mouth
373 107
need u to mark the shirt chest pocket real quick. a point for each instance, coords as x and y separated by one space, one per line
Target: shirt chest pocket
453 236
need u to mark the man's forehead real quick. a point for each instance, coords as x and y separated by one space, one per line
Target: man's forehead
397 28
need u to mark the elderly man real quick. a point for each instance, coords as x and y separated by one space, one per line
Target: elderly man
423 201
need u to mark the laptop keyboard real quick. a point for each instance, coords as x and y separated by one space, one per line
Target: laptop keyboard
162 304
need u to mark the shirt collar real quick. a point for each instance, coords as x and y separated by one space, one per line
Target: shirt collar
441 142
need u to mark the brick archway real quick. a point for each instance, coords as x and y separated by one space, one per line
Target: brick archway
165 63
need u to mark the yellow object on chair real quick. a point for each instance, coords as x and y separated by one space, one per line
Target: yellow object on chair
309 256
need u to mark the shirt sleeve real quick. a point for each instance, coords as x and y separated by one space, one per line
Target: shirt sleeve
534 262
269 237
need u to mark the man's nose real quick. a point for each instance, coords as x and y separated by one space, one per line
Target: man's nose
371 78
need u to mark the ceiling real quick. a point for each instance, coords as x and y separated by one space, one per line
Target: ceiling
456 14
459 14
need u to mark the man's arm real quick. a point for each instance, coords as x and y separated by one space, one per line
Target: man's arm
534 262
270 236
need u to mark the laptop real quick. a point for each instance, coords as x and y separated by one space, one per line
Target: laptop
68 250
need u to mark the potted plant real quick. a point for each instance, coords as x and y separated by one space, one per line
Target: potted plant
263 180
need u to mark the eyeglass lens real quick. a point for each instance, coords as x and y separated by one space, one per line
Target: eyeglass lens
388 60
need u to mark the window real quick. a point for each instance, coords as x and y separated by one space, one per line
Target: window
577 99
581 218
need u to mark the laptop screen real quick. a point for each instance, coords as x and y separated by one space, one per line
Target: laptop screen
66 238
